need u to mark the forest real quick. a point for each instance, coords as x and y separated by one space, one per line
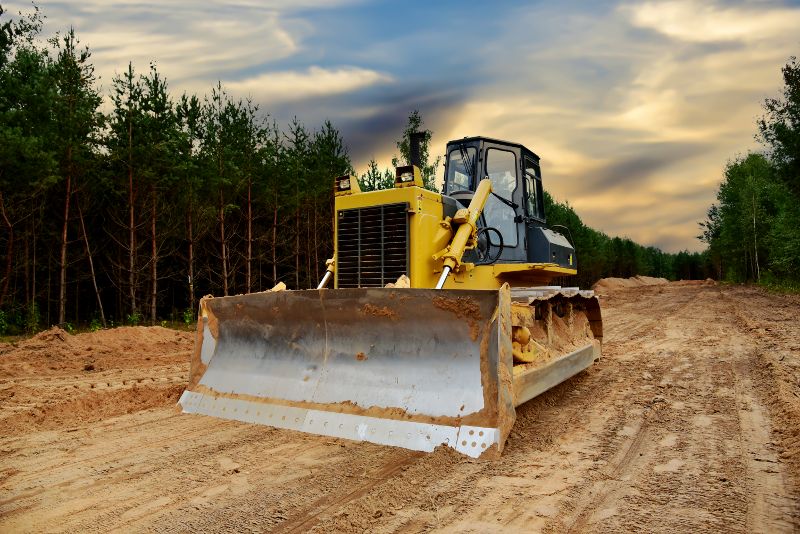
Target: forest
129 216
753 230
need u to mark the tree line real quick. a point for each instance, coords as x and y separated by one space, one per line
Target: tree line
600 256
753 230
128 216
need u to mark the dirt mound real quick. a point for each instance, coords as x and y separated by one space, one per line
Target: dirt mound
706 282
55 379
612 284
92 406
55 351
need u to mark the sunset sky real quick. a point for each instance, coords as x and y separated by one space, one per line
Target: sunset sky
634 108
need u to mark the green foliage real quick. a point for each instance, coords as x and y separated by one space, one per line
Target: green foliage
32 317
189 317
428 170
753 231
736 229
133 319
779 129
3 323
95 325
179 197
374 179
600 256
780 285
69 328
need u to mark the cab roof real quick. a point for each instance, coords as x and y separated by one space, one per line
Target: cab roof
492 140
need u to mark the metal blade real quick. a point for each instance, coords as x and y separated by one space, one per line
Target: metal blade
415 368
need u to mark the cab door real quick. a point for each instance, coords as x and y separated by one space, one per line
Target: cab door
533 202
502 208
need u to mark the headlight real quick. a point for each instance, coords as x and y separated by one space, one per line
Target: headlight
406 175
346 185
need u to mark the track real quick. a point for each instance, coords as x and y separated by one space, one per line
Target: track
686 424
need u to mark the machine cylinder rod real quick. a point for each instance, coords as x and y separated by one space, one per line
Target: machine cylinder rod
467 220
443 278
325 279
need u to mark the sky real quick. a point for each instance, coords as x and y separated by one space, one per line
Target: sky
633 107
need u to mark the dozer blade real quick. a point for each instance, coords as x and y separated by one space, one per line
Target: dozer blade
414 368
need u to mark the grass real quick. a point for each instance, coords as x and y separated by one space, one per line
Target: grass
783 286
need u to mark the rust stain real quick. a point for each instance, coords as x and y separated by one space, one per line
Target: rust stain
361 356
474 330
196 366
463 308
213 325
378 311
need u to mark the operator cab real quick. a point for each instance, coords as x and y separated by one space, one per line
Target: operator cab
512 228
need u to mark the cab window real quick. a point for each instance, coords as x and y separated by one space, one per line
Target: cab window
460 167
501 168
534 199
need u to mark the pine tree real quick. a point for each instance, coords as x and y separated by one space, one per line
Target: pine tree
77 118
428 169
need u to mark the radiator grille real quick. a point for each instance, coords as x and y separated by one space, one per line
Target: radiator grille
372 245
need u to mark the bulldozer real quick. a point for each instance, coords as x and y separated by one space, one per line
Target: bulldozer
436 318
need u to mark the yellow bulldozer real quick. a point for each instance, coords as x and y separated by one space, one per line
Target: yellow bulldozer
435 319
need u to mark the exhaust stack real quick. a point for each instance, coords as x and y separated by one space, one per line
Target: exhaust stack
415 148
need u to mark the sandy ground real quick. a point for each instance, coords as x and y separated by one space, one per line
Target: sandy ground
690 422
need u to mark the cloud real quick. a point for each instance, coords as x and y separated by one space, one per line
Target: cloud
634 108
314 82
641 165
196 55
194 44
634 128
704 22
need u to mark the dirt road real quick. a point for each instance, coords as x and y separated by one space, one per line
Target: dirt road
690 422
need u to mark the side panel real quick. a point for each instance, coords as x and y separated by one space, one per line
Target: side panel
425 234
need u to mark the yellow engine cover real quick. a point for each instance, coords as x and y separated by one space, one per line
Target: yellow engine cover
429 233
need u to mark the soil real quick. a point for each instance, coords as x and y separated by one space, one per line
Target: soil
690 422
611 284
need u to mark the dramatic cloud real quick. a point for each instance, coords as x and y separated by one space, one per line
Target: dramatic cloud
634 107
633 118
705 22
286 86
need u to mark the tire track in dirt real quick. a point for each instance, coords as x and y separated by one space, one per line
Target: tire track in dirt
768 501
630 453
215 485
654 437
111 491
563 416
76 476
329 504
630 482
613 482
57 467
